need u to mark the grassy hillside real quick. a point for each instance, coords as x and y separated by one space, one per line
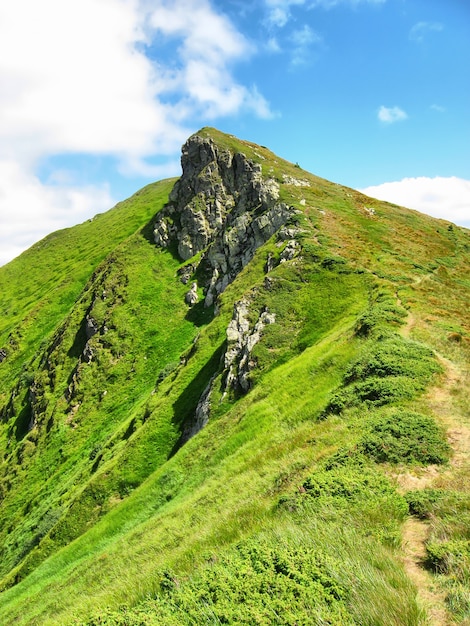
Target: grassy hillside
301 499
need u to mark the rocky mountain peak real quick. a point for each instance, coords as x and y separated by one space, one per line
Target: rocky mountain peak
221 206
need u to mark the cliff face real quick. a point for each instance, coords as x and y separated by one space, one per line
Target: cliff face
219 213
221 207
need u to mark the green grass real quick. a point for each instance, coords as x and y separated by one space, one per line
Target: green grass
280 510
42 284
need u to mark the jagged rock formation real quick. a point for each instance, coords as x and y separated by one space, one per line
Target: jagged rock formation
191 296
223 207
241 339
202 413
236 364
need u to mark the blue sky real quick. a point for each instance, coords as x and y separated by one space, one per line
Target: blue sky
97 96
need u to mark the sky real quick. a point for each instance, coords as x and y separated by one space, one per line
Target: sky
97 97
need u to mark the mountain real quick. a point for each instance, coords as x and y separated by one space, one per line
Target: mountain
238 397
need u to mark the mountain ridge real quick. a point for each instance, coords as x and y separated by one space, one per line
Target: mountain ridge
284 352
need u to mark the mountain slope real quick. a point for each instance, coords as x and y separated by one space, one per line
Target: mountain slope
208 407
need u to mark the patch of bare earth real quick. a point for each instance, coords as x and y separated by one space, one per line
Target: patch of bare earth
415 531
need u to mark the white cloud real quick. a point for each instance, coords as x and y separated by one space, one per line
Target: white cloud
279 11
444 197
438 108
85 77
305 36
79 83
329 4
303 39
29 209
272 45
209 44
389 115
421 29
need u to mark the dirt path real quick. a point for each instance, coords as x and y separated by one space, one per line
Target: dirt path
415 531
440 402
430 598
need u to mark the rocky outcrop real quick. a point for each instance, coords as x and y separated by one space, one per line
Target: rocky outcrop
191 297
291 250
223 207
91 327
202 413
241 339
235 366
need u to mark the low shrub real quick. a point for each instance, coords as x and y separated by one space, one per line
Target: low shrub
389 369
445 556
421 502
404 437
393 355
259 581
374 392
380 315
349 483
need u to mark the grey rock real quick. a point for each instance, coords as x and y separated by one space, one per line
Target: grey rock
269 265
191 296
91 327
291 250
289 233
186 272
202 413
241 339
88 353
221 206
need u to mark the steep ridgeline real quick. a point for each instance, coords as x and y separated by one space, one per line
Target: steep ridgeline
206 396
219 213
221 209
88 396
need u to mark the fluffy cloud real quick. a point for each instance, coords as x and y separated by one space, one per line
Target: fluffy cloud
29 209
209 44
446 198
421 29
85 78
389 115
329 4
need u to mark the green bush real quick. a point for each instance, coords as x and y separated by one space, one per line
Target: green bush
404 437
259 581
374 392
389 369
347 481
351 483
422 502
445 556
380 315
393 356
